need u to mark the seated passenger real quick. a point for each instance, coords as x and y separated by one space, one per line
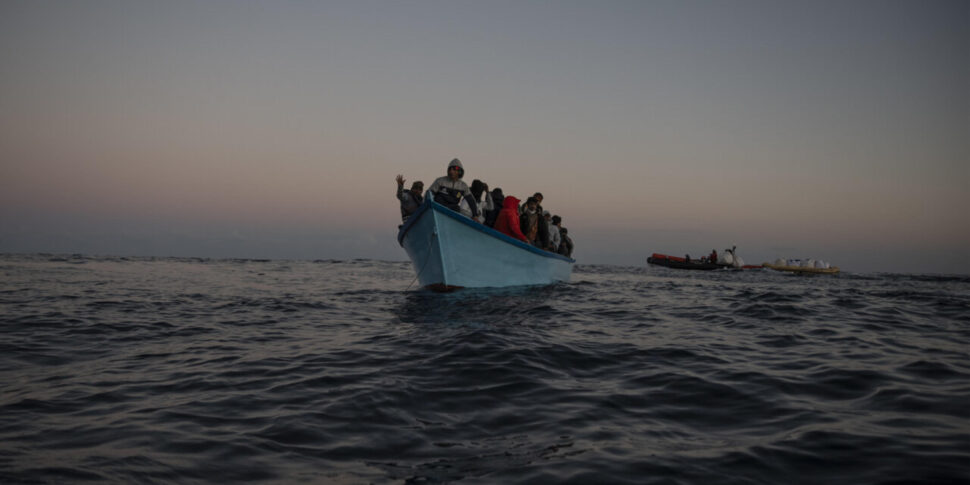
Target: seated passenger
507 221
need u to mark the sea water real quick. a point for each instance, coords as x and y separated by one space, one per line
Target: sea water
143 370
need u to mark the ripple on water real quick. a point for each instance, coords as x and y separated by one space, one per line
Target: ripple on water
164 370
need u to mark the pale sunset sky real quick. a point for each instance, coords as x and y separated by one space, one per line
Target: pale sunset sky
837 130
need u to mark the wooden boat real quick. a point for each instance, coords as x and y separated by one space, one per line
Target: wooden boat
450 251
802 269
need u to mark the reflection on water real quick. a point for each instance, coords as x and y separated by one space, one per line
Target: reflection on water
483 306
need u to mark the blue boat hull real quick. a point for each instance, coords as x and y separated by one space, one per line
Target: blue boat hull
450 250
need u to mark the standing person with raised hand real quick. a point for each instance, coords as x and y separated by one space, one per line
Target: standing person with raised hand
411 199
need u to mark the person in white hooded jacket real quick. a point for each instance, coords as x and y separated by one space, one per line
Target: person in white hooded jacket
450 190
481 197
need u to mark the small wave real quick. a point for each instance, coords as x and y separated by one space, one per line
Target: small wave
332 371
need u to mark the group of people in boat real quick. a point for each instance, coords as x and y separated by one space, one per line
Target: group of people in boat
527 222
712 258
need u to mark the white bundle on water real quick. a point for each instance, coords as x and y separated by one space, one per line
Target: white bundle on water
730 259
806 263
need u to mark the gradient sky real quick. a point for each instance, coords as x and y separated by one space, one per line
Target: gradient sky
817 129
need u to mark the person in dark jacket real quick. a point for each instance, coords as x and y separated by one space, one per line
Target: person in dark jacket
529 220
411 199
566 245
507 221
542 235
498 200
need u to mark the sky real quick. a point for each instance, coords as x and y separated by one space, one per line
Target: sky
274 129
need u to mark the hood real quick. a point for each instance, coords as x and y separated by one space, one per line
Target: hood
456 163
510 203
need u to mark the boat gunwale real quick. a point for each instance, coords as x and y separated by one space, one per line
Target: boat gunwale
432 205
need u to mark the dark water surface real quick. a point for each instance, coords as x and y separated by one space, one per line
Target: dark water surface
219 371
